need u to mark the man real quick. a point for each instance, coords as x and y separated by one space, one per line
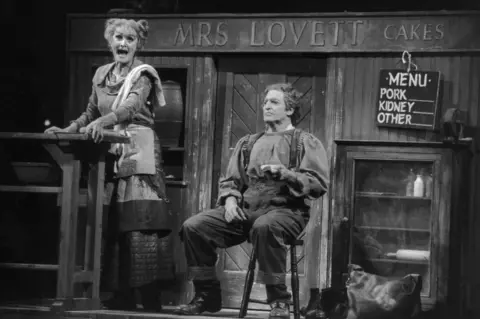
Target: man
264 197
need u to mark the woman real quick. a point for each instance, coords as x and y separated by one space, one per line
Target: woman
124 95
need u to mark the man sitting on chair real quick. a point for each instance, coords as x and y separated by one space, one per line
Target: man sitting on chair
264 196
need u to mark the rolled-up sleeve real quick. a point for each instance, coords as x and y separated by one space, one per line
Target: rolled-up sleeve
91 113
312 177
232 183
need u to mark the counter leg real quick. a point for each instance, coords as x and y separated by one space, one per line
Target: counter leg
96 180
68 231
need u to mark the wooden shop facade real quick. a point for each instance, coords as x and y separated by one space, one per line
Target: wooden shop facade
404 191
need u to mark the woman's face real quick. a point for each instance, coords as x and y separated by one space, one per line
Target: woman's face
124 44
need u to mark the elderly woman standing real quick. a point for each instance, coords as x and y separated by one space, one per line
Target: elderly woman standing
124 96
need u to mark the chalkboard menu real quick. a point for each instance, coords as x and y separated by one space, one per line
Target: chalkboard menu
408 99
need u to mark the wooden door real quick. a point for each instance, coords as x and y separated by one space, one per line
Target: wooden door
239 112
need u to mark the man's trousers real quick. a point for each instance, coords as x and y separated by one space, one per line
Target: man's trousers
203 233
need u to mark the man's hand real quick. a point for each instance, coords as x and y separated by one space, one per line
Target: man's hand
277 171
232 211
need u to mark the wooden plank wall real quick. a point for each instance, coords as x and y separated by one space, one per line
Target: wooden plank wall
350 110
199 131
355 93
351 97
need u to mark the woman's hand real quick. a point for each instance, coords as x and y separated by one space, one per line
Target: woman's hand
54 129
95 130
72 128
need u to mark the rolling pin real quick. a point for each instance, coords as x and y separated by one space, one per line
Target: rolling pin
408 254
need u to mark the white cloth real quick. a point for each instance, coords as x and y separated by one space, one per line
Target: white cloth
137 157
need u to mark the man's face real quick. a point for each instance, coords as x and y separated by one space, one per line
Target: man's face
274 108
124 44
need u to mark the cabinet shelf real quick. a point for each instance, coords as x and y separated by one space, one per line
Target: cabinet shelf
173 149
419 230
28 266
389 196
30 189
397 261
176 183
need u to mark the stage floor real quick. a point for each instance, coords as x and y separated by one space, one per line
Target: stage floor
27 311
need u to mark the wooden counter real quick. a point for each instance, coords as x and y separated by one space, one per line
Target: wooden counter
68 150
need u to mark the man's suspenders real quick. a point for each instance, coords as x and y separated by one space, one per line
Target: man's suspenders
246 150
294 148
253 138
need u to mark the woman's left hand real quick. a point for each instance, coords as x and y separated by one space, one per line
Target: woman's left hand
95 130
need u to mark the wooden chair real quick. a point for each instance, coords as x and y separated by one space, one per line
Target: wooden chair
295 285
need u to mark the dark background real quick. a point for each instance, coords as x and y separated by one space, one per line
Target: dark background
33 88
34 71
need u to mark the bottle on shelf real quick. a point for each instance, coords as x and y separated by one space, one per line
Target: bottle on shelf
418 186
428 185
410 182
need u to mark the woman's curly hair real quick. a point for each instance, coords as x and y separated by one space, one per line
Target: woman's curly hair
140 27
291 98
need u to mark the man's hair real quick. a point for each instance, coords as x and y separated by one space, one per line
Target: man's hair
291 98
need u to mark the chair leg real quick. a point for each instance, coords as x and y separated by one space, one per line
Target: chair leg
247 289
295 283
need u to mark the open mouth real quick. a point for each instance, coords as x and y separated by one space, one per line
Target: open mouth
122 52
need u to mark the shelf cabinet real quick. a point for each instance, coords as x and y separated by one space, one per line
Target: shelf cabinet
394 212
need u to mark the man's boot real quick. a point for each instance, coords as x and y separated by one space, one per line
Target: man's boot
208 297
312 302
279 299
313 309
280 309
